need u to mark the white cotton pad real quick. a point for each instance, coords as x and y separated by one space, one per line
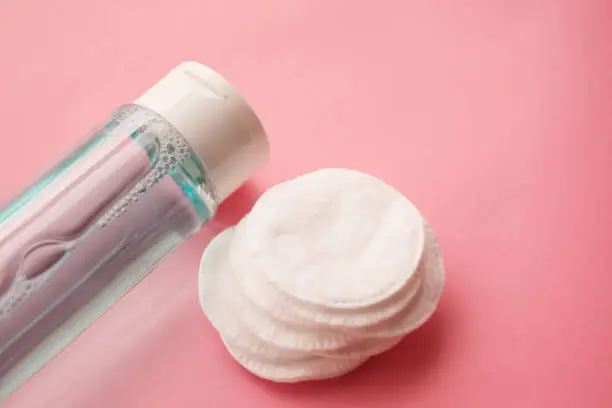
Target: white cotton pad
335 238
363 348
246 325
261 359
321 339
424 303
267 296
326 271
224 307
317 368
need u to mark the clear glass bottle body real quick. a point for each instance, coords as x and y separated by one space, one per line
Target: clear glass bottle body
91 228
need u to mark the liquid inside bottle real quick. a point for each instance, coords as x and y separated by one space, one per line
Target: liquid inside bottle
76 241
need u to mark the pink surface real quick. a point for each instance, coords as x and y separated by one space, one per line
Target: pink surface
492 116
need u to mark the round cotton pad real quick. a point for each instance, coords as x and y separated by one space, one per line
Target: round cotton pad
424 303
364 348
223 307
336 238
318 368
268 296
246 325
320 339
327 270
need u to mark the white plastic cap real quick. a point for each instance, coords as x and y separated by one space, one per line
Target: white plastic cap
218 123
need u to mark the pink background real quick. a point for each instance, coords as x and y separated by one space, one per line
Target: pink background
494 117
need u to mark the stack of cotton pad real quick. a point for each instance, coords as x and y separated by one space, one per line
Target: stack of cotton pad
327 270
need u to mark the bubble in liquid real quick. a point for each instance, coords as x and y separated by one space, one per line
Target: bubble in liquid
173 150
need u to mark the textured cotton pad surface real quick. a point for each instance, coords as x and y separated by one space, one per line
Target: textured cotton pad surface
219 302
333 237
255 332
224 307
314 369
267 296
425 301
